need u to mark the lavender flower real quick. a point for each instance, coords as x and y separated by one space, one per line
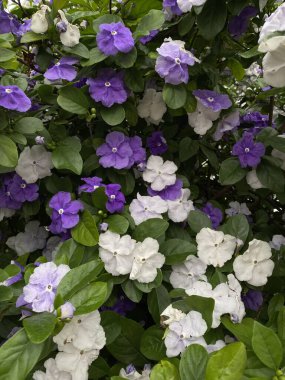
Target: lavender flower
169 193
145 39
248 151
91 184
108 87
253 299
228 123
67 310
114 38
13 98
172 6
25 27
8 23
213 100
65 212
41 289
238 24
214 213
63 69
21 302
21 191
157 143
139 153
255 119
6 198
116 198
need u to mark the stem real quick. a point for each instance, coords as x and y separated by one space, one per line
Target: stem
271 107
20 6
110 7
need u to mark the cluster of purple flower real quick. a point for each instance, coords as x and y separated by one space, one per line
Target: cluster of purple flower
9 23
214 213
248 151
15 191
254 122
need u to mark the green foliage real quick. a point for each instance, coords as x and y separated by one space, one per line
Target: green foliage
193 363
86 232
39 327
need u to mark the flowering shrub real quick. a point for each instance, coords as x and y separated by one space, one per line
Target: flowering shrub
142 159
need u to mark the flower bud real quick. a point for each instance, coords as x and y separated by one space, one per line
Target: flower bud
39 22
67 310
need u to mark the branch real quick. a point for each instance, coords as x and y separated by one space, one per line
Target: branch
110 7
271 107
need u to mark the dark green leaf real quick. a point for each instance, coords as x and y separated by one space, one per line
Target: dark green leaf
39 326
187 148
90 298
212 19
73 100
118 224
177 250
231 171
174 96
198 220
150 228
86 232
270 176
8 152
152 345
114 115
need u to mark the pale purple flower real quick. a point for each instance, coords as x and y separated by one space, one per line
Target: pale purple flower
108 87
238 24
213 100
169 193
228 123
139 153
61 26
13 98
39 140
17 277
21 302
253 299
248 151
41 289
114 38
145 39
103 227
25 27
63 69
67 310
116 198
157 143
91 184
65 212
214 214
172 6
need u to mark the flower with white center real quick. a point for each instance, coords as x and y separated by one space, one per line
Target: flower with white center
216 346
159 173
6 213
52 372
145 207
152 107
131 373
202 119
185 275
39 22
187 5
116 252
34 163
214 247
237 208
277 242
71 36
170 314
253 181
146 261
179 209
183 333
254 266
274 23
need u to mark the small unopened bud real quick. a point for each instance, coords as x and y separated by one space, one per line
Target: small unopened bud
67 310
40 140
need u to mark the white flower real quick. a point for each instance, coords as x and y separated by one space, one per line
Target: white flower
152 107
52 372
186 5
34 163
254 266
32 239
277 242
200 288
147 260
214 247
131 373
159 174
146 207
216 346
179 209
185 275
254 70
185 332
202 119
39 22
274 23
116 252
71 36
253 181
170 314
6 213
237 208
76 363
274 61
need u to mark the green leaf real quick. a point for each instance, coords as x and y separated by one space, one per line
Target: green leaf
270 176
152 345
174 96
86 232
114 115
147 287
8 152
73 100
40 326
185 24
32 37
28 125
236 68
150 228
231 171
90 298
6 54
65 158
126 60
242 331
111 323
277 143
69 253
151 21
253 52
187 148
198 220
106 19
193 363
281 325
99 198
164 371
117 224
131 291
177 250
58 4
212 19
6 293
79 50
157 301
227 363
95 56
237 226
267 346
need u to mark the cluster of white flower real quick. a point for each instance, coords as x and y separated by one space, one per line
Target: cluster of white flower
6 213
79 343
237 208
123 255
152 107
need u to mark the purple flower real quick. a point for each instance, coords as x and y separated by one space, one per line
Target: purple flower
213 100
169 193
139 154
253 299
116 198
114 38
63 69
248 151
214 213
25 27
67 310
157 143
21 302
6 198
61 26
115 152
173 61
145 39
255 121
41 289
238 24
21 191
13 98
8 23
65 212
121 306
172 5
91 184
108 87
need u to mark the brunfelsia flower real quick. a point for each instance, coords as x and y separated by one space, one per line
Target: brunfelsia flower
91 184
179 209
152 107
63 69
42 286
70 35
213 100
13 98
187 5
184 275
7 201
108 87
116 199
214 213
238 24
173 61
143 208
227 124
114 38
274 23
21 191
169 193
237 208
145 39
159 173
65 212
253 299
157 143
8 23
121 306
249 152
172 6
39 22
201 120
